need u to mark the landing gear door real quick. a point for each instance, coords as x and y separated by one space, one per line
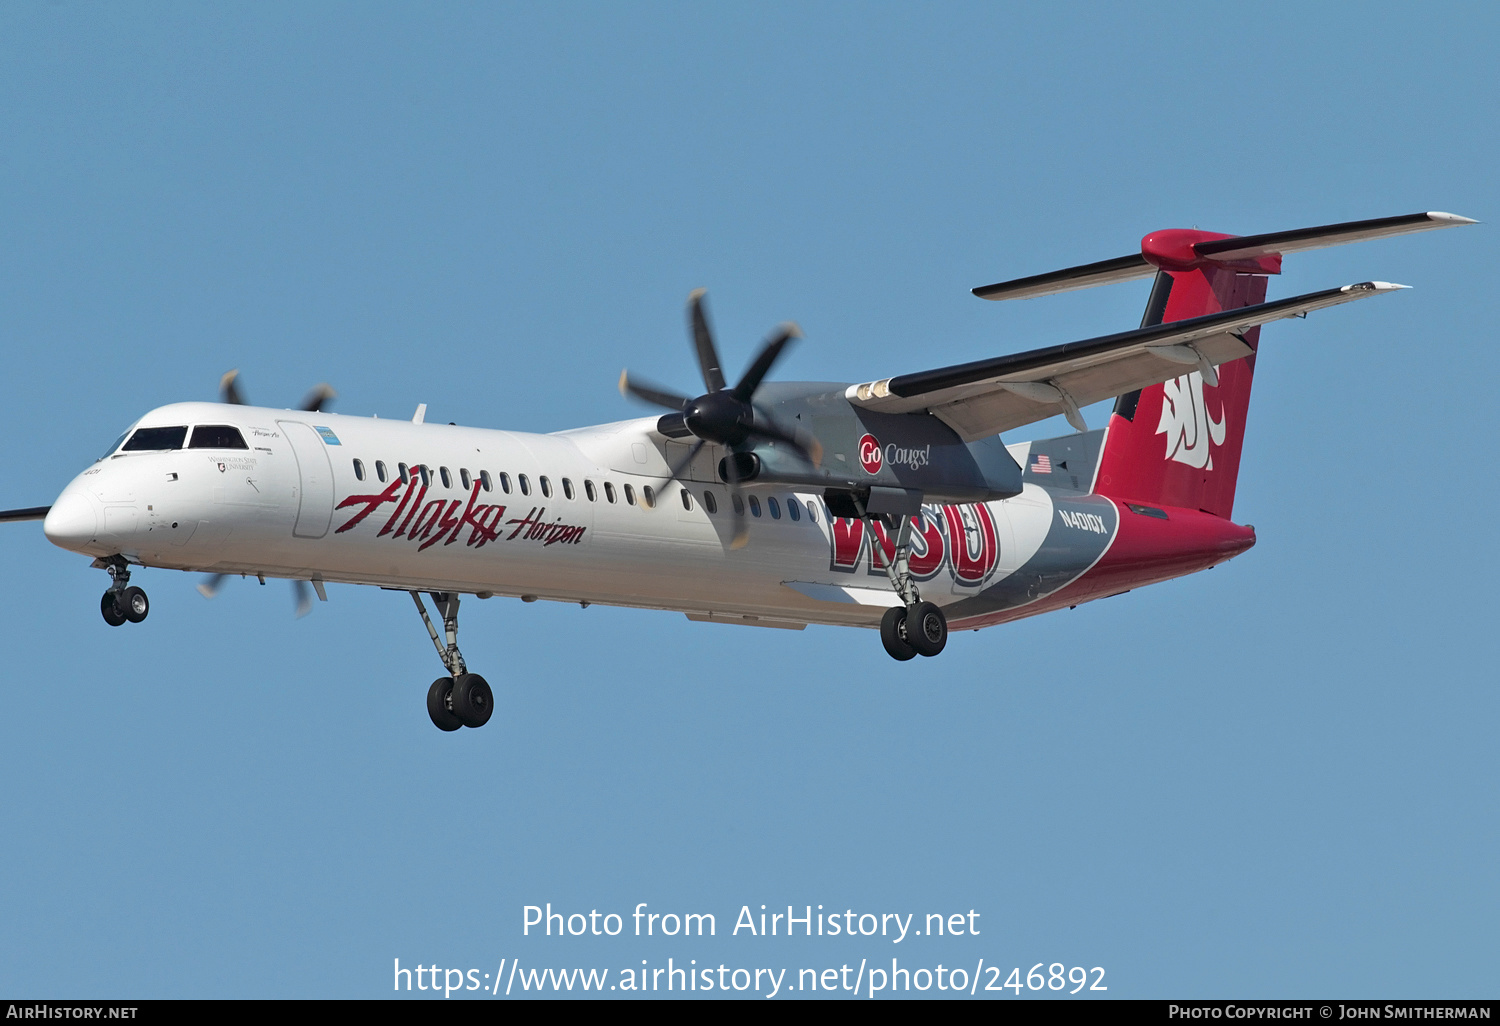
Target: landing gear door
315 496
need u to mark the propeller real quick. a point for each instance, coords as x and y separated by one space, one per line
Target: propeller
300 591
723 415
314 401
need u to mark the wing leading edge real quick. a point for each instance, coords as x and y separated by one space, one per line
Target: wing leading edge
987 397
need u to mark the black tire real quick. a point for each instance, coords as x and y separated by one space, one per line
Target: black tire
893 634
927 629
113 615
437 705
473 701
134 604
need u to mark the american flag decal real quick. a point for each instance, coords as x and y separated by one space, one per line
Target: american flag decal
1041 464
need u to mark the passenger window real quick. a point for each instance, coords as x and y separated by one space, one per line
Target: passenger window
754 506
630 495
774 507
648 497
447 477
588 489
568 488
812 512
484 480
609 491
426 477
739 505
687 499
546 486
359 471
217 436
156 439
525 484
505 482
380 471
709 502
464 479
403 472
792 509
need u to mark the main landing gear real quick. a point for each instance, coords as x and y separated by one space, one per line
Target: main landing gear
462 699
122 602
915 627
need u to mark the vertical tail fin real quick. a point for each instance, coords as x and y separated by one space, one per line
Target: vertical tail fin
1178 443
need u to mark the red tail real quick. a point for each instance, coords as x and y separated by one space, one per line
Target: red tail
1178 444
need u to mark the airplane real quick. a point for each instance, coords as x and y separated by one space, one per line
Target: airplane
890 504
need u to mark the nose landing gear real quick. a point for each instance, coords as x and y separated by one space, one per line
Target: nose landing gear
463 699
121 603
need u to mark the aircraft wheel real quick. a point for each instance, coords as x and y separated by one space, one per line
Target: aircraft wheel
927 629
437 705
113 614
893 634
473 701
134 604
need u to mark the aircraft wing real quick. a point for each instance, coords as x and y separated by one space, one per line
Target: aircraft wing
986 397
31 513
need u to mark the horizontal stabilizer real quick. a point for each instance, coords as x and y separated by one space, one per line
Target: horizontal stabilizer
1105 272
1300 239
986 397
1256 254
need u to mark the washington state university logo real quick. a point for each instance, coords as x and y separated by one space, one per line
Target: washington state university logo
961 539
869 454
1191 432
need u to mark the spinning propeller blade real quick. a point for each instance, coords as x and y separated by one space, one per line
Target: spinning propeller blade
703 342
652 394
317 399
303 595
229 391
723 415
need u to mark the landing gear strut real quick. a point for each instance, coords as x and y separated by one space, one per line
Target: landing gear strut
915 627
462 699
121 603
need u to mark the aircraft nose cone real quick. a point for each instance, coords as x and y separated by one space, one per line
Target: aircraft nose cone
72 522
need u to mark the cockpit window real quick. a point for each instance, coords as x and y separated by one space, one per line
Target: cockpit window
112 449
155 439
217 436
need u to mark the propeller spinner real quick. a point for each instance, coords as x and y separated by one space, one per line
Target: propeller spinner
723 415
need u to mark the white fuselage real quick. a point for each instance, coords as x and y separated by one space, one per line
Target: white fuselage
321 497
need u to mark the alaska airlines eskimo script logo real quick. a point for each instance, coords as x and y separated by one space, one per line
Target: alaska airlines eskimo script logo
1191 432
440 520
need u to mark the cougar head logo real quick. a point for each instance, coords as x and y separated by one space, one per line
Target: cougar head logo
1190 431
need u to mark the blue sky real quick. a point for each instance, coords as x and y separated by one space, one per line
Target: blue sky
1277 778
